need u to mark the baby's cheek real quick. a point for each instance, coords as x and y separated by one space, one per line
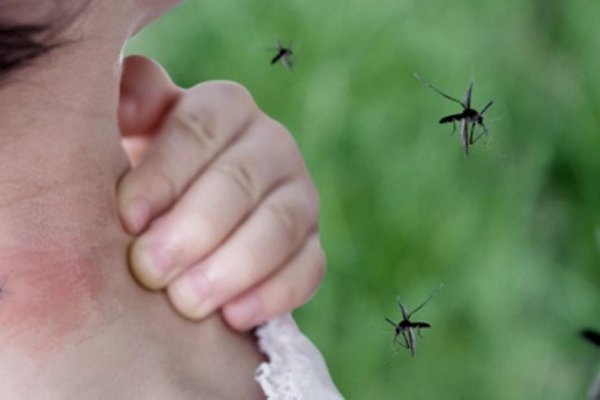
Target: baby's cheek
45 298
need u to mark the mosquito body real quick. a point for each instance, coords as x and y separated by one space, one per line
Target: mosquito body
284 55
406 328
592 336
469 118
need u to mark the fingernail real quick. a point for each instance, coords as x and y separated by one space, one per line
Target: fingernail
151 264
191 294
139 213
245 311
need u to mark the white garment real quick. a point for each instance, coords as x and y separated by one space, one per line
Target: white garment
296 369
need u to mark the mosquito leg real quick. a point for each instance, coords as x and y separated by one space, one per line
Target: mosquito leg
431 296
485 132
472 133
411 341
406 341
398 342
430 86
453 128
477 137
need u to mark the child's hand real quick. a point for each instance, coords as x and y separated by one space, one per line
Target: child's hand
227 211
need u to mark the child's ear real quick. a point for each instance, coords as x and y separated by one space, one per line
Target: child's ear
147 95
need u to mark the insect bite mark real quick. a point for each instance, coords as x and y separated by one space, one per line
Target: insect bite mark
49 296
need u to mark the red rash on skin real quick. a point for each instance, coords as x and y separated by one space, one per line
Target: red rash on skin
46 296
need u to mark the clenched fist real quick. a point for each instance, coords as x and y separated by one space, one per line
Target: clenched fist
219 197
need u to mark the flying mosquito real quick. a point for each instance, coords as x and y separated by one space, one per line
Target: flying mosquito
406 328
469 118
592 336
284 54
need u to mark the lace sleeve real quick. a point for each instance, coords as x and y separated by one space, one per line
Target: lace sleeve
296 369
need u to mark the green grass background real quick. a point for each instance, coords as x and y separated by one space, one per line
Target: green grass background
513 231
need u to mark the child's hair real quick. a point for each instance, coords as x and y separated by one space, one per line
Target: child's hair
22 43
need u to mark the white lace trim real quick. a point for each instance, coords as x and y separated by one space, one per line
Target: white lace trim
295 370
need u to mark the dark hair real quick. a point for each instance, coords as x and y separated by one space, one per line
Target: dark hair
22 43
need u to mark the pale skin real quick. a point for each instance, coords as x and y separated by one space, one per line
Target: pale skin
73 322
238 210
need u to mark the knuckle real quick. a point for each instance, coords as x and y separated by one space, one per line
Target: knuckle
233 92
308 201
290 219
193 232
314 263
320 263
241 175
196 125
205 232
247 257
283 142
313 198
166 185
285 295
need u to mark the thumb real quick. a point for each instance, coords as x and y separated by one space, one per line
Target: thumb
146 96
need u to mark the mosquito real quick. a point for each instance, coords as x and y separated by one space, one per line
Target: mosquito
469 118
592 336
406 328
284 54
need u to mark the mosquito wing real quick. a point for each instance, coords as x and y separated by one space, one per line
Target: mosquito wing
594 392
287 60
467 101
405 315
411 340
464 135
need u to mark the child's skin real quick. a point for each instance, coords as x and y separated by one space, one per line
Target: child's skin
238 211
73 322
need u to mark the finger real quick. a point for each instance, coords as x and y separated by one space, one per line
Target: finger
201 125
263 243
146 93
289 288
216 203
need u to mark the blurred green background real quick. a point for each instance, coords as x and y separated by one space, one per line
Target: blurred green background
513 231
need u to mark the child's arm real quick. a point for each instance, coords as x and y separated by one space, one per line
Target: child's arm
225 208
